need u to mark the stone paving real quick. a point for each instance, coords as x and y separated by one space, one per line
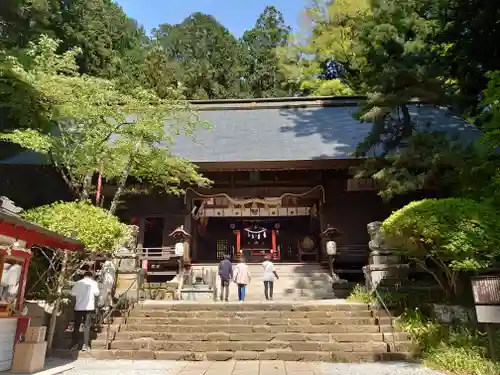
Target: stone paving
124 367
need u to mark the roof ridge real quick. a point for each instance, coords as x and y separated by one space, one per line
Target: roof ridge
256 103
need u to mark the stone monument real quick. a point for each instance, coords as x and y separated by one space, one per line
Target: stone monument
384 266
125 259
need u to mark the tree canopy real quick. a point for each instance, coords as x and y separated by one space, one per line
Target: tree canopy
93 226
91 126
393 52
453 234
207 54
262 75
100 28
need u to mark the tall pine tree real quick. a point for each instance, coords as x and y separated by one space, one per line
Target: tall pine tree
262 75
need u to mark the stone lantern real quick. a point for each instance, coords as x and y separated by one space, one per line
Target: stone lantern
384 266
182 244
329 234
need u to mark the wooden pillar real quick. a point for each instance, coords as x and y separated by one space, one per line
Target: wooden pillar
189 228
194 239
2 262
140 236
187 216
238 242
167 229
322 227
22 283
276 255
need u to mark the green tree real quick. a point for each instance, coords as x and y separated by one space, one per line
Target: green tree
401 64
160 74
97 128
261 66
394 40
470 32
325 48
205 56
112 45
325 87
454 234
100 28
98 230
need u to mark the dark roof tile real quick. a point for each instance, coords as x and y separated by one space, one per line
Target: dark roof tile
273 130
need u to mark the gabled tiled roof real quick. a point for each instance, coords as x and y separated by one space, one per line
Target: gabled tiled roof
285 129
293 129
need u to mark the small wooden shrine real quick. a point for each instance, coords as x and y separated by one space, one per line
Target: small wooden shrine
17 237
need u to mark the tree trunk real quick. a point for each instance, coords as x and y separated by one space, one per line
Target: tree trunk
407 125
87 183
121 186
57 303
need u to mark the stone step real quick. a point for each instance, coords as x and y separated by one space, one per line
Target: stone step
328 305
403 346
253 321
277 354
245 343
253 336
249 314
386 320
246 328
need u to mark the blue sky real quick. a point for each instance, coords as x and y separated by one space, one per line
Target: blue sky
236 15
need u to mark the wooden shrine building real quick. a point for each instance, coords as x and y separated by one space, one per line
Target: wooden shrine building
281 172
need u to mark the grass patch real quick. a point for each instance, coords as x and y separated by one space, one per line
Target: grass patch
361 294
456 349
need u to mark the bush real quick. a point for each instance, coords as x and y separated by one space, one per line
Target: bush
458 350
363 295
93 226
455 234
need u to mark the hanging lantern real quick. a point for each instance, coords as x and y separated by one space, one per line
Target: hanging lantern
277 226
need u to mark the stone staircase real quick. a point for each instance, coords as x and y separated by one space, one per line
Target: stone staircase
298 281
293 331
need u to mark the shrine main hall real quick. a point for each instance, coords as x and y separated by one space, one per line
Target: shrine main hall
282 174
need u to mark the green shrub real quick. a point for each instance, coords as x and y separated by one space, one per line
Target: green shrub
457 350
93 226
362 294
455 234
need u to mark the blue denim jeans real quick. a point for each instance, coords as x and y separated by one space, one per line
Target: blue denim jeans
241 291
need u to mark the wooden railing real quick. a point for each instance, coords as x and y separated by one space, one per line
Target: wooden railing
157 253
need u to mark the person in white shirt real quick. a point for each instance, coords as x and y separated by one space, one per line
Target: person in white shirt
10 281
269 275
85 292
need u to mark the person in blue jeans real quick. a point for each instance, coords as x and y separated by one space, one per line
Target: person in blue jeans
242 278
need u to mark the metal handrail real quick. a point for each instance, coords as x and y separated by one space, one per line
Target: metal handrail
381 301
108 315
213 281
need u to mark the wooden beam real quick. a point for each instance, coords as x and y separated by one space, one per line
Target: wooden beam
267 191
319 164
